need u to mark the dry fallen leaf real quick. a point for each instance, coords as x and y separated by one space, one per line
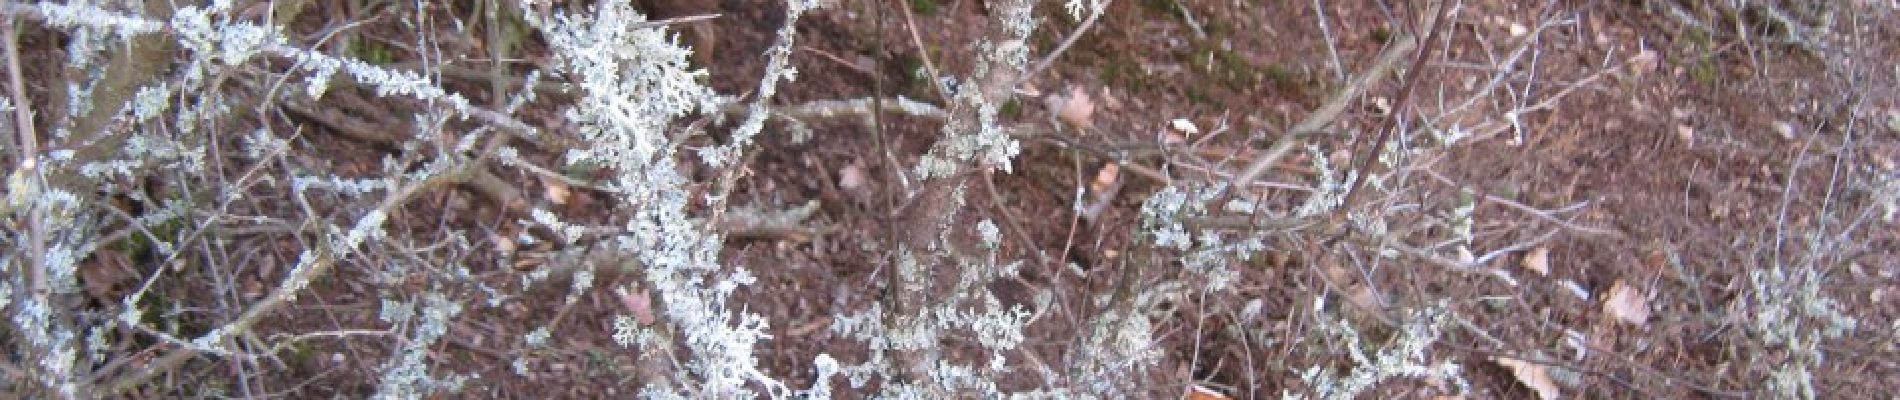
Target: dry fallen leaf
1626 304
556 191
639 304
503 244
1533 376
1538 260
1197 392
1784 129
1364 297
1685 133
1076 109
253 288
106 273
1644 62
1182 130
1106 178
851 177
1519 30
1185 126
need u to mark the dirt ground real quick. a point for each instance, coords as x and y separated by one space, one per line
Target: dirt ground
1626 152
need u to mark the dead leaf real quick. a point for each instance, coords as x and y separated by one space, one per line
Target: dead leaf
639 304
1538 260
851 177
1198 392
1365 298
253 288
1106 178
1685 133
1644 62
503 244
105 273
556 191
1784 129
1626 304
1076 109
1185 126
1536 377
1519 30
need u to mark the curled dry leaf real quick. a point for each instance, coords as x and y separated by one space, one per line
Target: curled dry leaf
1626 304
851 177
506 246
1644 62
1365 298
1198 392
1519 30
1181 130
1533 376
1075 109
1106 178
1185 126
253 288
556 191
106 273
639 304
1784 129
1538 260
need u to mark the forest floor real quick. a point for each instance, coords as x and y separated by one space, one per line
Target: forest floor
1632 169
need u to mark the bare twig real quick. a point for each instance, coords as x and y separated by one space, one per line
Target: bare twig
22 106
319 263
1404 98
1014 221
28 158
1532 211
923 53
849 108
1050 59
1332 45
1326 113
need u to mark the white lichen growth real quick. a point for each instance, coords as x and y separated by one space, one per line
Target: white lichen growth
1407 355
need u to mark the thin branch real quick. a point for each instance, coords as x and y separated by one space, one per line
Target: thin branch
1050 58
1545 215
930 67
1332 48
319 264
1326 113
1412 76
22 106
28 159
